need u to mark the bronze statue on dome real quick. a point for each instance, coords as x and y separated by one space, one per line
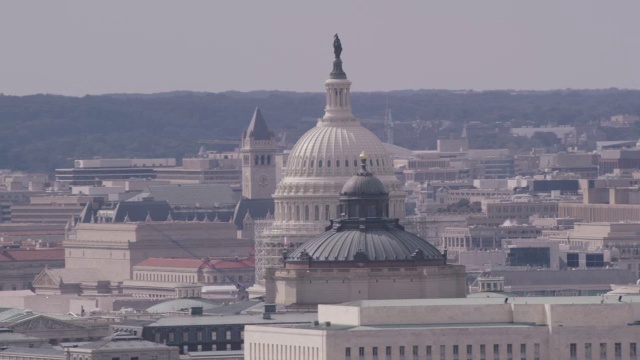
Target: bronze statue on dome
337 46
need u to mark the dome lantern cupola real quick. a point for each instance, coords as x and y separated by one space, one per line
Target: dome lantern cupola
364 195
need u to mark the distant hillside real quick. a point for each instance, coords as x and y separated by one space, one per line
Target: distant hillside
44 132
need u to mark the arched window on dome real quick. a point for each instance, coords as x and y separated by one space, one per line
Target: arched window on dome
319 163
346 163
262 160
377 162
316 213
328 163
306 212
257 160
337 163
297 212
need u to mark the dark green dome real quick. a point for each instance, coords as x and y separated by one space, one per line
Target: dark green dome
366 240
363 184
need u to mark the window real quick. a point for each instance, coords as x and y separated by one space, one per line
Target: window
388 352
603 351
361 352
337 163
509 352
172 336
228 334
262 160
496 352
443 352
469 352
185 336
214 335
617 351
587 351
347 353
316 213
523 351
428 351
456 352
134 358
415 352
326 212
536 351
355 163
401 352
375 353
328 163
573 351
306 212
319 163
268 159
483 352
633 351
256 160
199 335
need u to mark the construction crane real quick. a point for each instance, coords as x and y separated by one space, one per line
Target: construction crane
242 290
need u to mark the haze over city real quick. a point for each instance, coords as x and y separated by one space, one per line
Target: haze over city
77 48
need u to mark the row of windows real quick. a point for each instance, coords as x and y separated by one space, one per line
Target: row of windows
320 163
454 352
262 160
591 352
199 336
165 277
306 216
185 278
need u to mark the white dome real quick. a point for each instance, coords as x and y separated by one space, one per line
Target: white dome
328 150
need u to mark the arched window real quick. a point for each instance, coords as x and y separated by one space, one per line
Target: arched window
297 212
377 162
306 212
257 160
355 163
327 216
316 214
262 160
319 163
337 163
311 163
304 163
328 163
268 159
346 163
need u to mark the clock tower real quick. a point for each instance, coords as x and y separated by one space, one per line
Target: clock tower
258 159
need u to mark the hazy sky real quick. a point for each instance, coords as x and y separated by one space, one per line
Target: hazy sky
90 47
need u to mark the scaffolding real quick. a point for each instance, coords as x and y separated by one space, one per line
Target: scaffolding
273 237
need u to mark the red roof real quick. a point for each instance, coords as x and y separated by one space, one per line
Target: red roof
245 263
32 255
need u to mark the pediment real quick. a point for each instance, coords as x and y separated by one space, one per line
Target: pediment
46 279
42 322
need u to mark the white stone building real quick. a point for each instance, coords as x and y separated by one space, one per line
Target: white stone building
538 328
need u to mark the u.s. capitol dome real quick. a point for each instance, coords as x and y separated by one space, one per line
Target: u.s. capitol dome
326 156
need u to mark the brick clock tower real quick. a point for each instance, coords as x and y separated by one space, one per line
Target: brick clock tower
258 159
